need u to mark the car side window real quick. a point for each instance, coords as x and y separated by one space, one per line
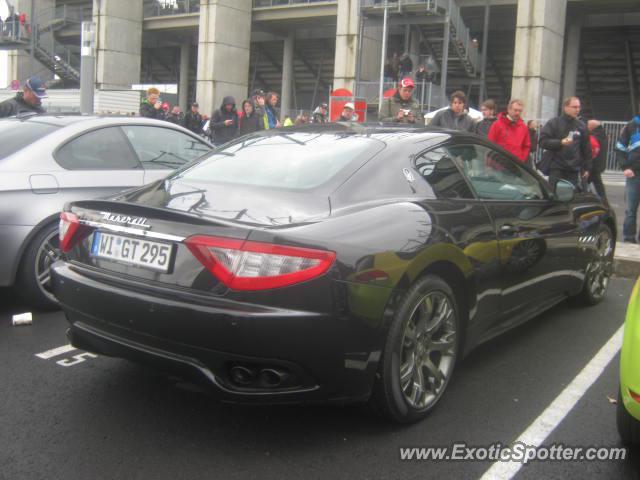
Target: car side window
163 148
101 149
439 170
493 175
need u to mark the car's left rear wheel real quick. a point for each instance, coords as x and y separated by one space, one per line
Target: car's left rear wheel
34 277
420 352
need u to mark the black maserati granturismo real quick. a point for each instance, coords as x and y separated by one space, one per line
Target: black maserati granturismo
340 263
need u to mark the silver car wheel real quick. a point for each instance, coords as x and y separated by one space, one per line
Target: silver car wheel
601 266
428 350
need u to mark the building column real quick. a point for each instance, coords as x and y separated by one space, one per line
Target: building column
223 52
571 59
118 43
344 74
183 85
537 65
287 76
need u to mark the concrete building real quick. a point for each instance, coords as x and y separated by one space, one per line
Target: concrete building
536 50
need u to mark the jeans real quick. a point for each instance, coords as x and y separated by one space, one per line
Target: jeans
632 200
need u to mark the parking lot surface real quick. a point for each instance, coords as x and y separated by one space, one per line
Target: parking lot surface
66 414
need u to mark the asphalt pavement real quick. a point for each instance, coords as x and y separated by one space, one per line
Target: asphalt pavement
69 415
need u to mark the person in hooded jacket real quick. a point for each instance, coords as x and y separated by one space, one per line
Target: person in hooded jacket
224 122
250 121
511 133
455 117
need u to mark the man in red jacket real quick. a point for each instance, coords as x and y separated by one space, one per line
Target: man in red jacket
511 133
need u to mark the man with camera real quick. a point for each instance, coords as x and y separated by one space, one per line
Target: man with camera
565 139
151 107
401 106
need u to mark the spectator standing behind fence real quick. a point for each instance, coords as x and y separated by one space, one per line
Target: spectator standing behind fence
302 119
628 156
511 133
455 117
401 107
224 122
567 153
151 107
488 109
406 65
348 113
258 97
599 149
271 114
29 100
249 121
193 119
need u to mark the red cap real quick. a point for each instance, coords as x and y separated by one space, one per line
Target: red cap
407 82
165 106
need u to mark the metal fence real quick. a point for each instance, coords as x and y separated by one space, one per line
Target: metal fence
161 8
280 3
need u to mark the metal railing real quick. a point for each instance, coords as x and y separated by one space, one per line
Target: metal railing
160 8
467 48
13 31
281 3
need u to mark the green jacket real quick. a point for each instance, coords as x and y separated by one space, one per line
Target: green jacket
392 105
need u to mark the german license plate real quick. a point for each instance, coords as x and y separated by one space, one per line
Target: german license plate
133 251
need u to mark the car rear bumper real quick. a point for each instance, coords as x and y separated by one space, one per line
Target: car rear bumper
320 357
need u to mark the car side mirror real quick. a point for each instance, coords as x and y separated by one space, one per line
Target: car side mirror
564 191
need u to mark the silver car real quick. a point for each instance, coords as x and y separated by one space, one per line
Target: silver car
46 161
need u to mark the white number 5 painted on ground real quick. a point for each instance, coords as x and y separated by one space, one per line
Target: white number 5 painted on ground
81 357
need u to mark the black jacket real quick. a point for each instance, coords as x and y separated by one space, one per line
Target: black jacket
483 126
149 111
574 157
250 124
224 133
193 122
16 106
600 162
178 119
628 146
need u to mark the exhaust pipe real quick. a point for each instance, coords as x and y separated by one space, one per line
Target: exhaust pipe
273 377
242 375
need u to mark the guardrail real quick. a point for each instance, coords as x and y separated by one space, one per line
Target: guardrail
161 8
427 94
282 3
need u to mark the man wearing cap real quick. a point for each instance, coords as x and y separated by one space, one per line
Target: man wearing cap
348 113
193 119
401 107
29 100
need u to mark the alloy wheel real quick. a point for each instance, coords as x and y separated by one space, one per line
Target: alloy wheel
601 266
428 350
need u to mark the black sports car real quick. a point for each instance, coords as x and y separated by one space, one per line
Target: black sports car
338 263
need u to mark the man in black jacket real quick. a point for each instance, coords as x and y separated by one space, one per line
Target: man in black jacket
565 139
29 100
455 117
224 122
193 119
599 160
151 107
628 156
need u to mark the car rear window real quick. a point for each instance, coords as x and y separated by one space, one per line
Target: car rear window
16 134
299 161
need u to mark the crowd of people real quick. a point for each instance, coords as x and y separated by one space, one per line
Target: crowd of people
568 147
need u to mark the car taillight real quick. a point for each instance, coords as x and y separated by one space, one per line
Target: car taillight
244 265
70 231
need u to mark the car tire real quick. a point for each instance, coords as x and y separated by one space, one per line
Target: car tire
420 352
628 426
599 270
34 274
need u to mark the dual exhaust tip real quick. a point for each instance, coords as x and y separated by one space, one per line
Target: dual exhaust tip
261 377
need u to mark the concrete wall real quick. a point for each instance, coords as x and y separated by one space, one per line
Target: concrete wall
118 42
344 73
223 52
537 68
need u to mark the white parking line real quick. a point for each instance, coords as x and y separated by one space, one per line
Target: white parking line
548 420
55 352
